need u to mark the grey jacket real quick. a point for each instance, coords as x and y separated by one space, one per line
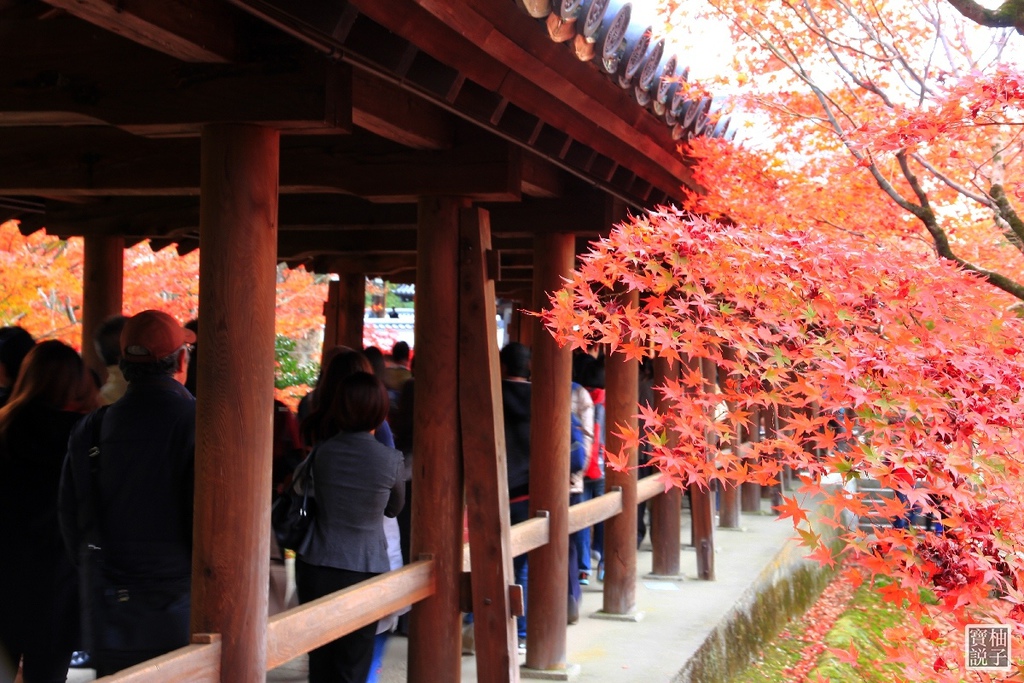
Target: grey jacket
356 481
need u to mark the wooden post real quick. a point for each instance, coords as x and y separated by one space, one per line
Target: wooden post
102 286
666 509
729 505
622 384
551 372
237 269
483 447
702 501
751 490
343 312
435 624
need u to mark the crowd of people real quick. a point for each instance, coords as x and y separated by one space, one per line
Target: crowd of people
96 491
96 496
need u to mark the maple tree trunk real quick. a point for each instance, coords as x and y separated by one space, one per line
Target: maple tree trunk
238 272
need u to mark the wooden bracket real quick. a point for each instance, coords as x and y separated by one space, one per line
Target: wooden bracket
492 259
205 638
544 513
516 604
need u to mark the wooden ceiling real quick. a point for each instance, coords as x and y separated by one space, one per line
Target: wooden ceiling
379 102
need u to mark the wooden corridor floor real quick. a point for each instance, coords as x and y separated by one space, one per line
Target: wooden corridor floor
677 615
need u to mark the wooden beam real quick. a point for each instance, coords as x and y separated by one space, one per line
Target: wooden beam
394 113
437 513
62 71
237 269
483 447
197 663
189 30
579 213
541 178
666 509
549 466
374 265
101 161
622 381
102 285
298 244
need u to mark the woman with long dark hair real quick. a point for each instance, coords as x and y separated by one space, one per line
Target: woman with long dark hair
38 585
357 481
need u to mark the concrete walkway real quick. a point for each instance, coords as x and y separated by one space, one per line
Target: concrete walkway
678 616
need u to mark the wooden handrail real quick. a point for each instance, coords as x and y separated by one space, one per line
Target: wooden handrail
307 627
649 487
198 663
594 510
524 537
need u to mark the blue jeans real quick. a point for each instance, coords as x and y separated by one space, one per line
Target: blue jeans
585 542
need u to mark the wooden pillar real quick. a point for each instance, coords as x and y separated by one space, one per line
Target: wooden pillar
343 312
102 287
237 272
435 650
483 445
551 372
729 504
666 509
702 501
621 397
751 491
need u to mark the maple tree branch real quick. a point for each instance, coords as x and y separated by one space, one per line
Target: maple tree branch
927 217
1007 213
952 184
1008 15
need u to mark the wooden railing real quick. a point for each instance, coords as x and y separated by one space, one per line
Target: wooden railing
304 628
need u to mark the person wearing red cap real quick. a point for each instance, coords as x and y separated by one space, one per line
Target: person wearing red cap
126 501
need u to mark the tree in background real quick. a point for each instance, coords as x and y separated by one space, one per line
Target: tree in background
877 364
894 120
42 292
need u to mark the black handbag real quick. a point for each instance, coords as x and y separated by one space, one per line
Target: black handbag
291 515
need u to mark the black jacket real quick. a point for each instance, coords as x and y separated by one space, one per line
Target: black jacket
515 400
146 474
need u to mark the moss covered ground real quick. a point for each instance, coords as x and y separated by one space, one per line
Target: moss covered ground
853 621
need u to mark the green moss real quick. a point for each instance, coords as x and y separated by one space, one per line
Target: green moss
863 623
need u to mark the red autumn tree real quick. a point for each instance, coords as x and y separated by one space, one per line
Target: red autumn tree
889 119
881 366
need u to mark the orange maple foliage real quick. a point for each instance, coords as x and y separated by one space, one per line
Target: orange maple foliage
41 287
893 120
910 369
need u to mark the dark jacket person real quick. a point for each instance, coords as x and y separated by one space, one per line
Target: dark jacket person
139 489
38 586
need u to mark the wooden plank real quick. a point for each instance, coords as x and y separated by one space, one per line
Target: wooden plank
102 285
649 487
394 113
549 464
197 663
82 162
374 265
304 628
189 30
61 71
483 447
541 178
594 510
238 272
523 537
513 39
621 382
437 511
